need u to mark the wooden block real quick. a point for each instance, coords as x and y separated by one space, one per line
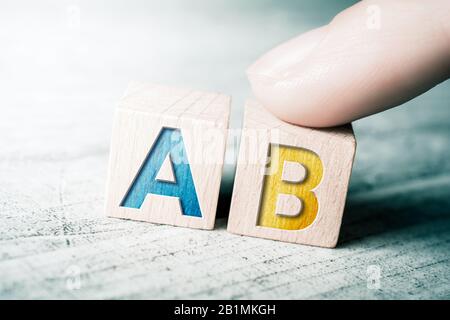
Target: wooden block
291 182
167 153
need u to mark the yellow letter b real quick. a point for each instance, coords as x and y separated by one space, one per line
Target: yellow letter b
287 199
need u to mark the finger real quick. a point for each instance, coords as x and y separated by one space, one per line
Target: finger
371 57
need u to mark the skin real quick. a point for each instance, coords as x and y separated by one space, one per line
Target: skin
371 57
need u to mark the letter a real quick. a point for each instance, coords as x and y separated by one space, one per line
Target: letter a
169 144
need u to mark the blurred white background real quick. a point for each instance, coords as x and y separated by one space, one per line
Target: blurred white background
63 57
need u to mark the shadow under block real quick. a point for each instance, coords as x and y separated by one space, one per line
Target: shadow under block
167 153
291 182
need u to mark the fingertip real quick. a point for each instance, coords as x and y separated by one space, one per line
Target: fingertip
350 69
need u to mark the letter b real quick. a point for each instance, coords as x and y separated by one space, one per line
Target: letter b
288 201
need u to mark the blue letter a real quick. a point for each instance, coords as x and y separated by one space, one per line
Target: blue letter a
169 142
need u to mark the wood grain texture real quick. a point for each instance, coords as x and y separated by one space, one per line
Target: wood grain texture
143 117
166 172
288 205
293 172
327 153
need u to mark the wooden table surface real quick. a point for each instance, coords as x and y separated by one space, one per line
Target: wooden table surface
64 67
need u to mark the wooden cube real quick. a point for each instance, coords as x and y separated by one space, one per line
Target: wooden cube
167 153
291 181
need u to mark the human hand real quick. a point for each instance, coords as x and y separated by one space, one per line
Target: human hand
371 57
